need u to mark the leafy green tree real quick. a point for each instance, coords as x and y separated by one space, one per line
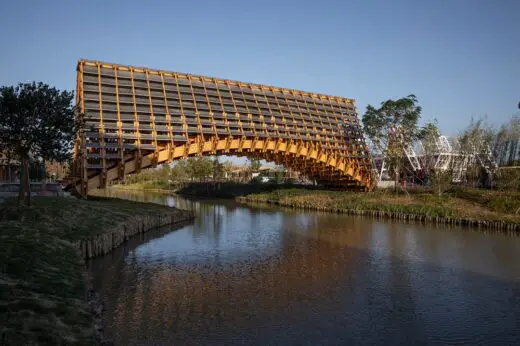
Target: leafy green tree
392 127
200 167
227 168
255 165
428 135
476 140
218 169
37 122
179 171
164 173
440 179
279 176
429 132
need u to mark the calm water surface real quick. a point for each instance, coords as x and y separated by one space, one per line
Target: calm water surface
242 275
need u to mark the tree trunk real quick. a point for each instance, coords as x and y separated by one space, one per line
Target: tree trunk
24 186
397 171
396 182
438 183
8 168
27 181
21 186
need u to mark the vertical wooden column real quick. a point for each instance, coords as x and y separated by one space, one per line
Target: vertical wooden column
314 121
152 118
121 163
199 137
238 119
168 119
249 117
224 115
300 143
319 146
261 117
286 159
331 153
211 118
103 175
83 140
81 153
278 139
183 116
76 149
301 113
137 152
316 137
337 134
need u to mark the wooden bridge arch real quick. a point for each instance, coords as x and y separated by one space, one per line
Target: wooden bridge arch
138 117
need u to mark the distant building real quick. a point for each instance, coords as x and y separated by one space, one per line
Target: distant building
8 169
239 174
266 173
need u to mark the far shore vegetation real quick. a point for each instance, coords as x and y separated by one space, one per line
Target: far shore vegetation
466 203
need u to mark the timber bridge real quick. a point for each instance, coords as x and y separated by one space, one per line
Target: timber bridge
135 118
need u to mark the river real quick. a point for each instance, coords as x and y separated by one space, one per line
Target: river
262 275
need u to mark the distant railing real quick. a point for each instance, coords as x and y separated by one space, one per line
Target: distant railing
37 188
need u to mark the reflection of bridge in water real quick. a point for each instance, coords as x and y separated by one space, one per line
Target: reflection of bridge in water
137 117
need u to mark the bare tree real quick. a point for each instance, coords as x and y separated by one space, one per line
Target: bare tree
476 142
507 142
436 165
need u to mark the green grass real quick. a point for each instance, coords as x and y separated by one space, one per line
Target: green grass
228 189
72 219
499 201
462 203
149 185
42 284
42 289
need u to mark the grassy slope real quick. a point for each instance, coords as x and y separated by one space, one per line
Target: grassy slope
42 288
473 204
148 185
209 189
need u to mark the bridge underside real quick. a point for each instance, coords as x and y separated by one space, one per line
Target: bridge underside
137 118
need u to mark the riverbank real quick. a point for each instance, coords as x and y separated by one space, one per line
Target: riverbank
471 207
144 187
232 190
43 288
202 189
210 189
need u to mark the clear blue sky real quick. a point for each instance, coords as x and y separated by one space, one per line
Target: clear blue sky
460 57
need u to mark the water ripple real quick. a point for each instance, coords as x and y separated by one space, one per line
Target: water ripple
253 276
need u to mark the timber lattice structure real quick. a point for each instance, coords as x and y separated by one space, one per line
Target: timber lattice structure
138 117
